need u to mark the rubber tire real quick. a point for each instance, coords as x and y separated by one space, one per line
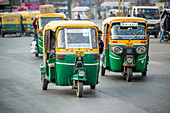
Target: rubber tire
79 90
44 83
129 74
36 54
19 35
92 86
144 73
156 35
102 71
165 38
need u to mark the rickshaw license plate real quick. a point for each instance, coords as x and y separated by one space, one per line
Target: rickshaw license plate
79 53
129 45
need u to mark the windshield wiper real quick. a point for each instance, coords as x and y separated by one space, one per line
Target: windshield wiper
135 35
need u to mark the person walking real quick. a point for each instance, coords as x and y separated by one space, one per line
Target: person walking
104 14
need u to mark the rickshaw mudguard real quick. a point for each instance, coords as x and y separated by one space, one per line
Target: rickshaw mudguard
77 77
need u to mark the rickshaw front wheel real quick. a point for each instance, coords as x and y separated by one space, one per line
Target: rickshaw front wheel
79 90
129 74
44 83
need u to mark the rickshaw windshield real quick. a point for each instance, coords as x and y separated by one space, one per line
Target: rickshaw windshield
77 38
128 32
44 20
83 15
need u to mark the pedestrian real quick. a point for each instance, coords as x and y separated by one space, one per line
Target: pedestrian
164 26
140 14
99 15
104 14
101 44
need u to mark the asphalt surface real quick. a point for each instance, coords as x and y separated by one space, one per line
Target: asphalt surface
20 85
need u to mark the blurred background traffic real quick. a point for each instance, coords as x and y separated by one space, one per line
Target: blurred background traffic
152 10
65 6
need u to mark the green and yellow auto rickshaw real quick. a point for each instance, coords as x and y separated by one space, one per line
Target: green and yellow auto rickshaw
11 24
39 22
27 19
70 55
126 46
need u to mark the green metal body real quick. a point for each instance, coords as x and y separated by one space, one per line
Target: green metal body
39 43
28 28
114 62
63 72
11 28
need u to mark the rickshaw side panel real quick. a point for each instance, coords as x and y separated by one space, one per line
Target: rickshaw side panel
39 43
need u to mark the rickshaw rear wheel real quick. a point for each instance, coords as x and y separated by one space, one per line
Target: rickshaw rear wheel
44 83
129 74
102 71
93 86
2 34
144 73
79 90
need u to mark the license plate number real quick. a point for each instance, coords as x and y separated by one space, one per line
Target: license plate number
129 44
79 53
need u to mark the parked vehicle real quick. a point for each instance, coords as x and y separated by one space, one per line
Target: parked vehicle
39 22
126 46
152 15
11 24
70 55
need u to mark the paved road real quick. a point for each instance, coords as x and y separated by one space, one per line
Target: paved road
20 85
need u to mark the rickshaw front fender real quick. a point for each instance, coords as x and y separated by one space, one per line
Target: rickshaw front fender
77 77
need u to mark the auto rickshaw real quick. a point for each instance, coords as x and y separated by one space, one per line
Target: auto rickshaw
27 19
83 12
70 55
126 46
39 22
11 24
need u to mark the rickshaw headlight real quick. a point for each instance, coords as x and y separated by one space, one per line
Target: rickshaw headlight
140 49
81 73
130 60
117 49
